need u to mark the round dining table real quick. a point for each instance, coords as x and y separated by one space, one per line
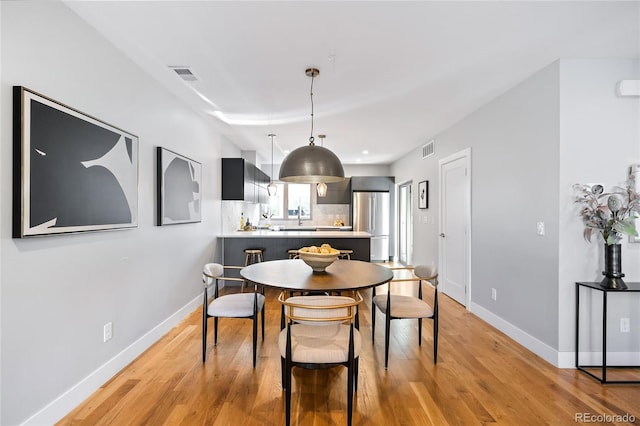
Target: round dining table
295 275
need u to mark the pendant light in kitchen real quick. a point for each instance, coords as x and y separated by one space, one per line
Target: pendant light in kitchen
321 187
311 163
272 189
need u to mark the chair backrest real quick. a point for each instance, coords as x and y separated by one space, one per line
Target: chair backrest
427 273
210 272
320 310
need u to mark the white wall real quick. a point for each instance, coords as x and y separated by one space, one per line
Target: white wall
57 292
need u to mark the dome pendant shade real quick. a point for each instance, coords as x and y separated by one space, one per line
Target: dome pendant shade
311 164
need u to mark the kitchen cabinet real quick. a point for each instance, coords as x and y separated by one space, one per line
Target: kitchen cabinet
372 183
276 244
337 193
243 181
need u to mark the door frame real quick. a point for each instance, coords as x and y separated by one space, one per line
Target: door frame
463 154
409 217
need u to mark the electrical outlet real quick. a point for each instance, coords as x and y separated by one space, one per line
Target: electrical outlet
494 294
540 228
108 331
625 325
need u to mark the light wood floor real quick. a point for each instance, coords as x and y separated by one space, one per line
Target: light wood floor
482 377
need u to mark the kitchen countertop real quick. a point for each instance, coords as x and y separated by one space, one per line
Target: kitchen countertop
295 234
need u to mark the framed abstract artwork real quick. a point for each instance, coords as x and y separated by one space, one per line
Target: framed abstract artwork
179 188
71 172
423 194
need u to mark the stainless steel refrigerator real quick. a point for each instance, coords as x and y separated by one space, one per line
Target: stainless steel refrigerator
371 214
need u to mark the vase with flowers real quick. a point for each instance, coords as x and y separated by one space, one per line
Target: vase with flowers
612 214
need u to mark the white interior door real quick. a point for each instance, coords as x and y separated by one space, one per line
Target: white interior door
455 226
405 223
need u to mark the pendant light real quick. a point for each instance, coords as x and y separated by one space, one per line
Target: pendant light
321 188
272 189
312 163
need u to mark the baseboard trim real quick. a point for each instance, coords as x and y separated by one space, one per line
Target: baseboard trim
535 345
73 397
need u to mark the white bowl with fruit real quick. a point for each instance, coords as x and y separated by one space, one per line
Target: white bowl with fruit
318 257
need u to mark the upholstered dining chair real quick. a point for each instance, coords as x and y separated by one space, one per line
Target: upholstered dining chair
397 306
320 333
229 305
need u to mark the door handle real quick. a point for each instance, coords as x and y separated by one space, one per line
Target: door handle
442 235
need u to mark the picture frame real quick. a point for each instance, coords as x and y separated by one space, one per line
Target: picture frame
71 172
423 194
179 188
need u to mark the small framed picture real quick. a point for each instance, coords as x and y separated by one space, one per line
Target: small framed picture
423 194
179 188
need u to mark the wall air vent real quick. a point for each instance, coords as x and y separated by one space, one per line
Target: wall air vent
427 149
185 73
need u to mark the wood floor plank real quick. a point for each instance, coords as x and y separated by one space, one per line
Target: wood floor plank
482 377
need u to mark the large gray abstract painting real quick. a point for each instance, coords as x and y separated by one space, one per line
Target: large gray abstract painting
72 172
179 188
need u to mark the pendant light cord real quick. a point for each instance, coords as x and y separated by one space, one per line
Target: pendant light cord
311 139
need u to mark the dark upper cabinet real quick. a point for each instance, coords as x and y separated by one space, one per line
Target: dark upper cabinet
337 193
372 183
243 181
233 179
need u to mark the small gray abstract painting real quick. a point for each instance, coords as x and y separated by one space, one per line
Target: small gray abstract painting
179 188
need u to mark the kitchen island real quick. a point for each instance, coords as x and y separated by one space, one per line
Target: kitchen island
276 244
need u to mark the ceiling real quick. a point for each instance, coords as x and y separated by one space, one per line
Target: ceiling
392 74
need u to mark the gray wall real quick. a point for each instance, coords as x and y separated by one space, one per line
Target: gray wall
57 292
514 163
561 126
600 138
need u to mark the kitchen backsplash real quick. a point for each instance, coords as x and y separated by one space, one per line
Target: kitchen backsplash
321 215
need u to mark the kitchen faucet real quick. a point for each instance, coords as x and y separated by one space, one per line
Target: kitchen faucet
299 216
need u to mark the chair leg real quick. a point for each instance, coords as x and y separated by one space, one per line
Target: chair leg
350 385
435 339
387 329
373 322
287 395
283 380
255 336
262 320
288 368
355 373
215 331
419 331
204 337
262 313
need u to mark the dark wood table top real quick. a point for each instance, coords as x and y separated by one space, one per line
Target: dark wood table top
294 274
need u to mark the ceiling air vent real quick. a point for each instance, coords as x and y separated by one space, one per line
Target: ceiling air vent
185 73
427 149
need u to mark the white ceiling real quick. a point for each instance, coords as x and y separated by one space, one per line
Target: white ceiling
392 74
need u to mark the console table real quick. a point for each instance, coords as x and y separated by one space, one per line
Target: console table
633 287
